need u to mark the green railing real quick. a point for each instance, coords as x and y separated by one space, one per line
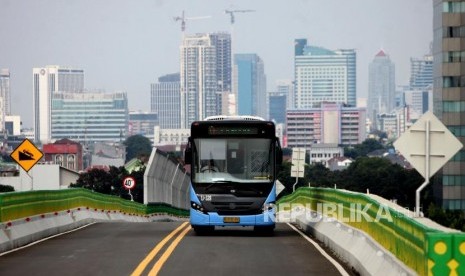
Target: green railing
17 205
427 251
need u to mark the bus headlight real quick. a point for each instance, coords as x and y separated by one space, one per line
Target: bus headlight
268 206
197 207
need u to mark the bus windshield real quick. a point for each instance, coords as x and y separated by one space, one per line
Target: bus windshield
229 160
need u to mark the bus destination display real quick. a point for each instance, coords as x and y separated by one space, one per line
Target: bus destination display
226 130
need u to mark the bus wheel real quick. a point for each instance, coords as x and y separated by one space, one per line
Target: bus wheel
203 230
264 230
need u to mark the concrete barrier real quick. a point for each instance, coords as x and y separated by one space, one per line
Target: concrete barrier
20 232
166 181
351 245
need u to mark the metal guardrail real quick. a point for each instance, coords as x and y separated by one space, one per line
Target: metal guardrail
426 250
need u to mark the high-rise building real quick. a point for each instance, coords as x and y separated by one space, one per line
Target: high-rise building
278 107
5 97
381 87
165 100
419 100
421 73
332 123
323 75
286 87
393 124
90 117
46 82
250 85
205 75
449 92
142 123
222 42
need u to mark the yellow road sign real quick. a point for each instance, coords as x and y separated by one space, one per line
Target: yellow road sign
26 155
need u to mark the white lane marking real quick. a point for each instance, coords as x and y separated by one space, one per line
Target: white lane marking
318 247
44 239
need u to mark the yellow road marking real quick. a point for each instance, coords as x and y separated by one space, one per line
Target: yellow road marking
156 268
141 267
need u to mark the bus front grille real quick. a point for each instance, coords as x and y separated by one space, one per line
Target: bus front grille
234 207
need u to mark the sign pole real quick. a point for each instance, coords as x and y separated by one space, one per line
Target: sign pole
129 191
32 180
427 157
296 180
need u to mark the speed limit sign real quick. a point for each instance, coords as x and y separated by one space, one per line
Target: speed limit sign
129 183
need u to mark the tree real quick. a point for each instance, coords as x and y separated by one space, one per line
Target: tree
137 146
6 188
362 149
97 180
448 218
318 175
111 182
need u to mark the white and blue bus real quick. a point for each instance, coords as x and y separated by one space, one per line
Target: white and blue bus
233 173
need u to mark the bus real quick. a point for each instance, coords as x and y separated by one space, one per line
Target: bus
233 173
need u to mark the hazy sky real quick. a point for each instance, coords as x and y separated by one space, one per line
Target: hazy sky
125 45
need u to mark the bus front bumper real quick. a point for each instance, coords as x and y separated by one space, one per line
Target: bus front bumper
267 218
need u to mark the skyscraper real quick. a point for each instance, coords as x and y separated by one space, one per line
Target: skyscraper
250 85
323 75
277 107
421 73
449 92
381 86
286 87
165 100
205 75
5 96
47 81
222 42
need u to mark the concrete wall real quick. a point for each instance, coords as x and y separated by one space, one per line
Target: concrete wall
41 177
165 181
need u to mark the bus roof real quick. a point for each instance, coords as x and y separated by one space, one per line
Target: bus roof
234 118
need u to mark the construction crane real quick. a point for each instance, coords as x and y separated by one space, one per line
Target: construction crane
183 19
231 13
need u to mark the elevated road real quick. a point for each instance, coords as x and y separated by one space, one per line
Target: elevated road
168 249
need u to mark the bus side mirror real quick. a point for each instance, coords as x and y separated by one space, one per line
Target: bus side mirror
279 156
188 154
279 153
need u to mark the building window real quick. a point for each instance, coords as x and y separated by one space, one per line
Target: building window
453 56
454 31
453 180
453 81
453 7
71 162
459 156
453 106
59 160
452 204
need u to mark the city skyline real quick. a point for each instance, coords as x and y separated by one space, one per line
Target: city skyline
124 46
